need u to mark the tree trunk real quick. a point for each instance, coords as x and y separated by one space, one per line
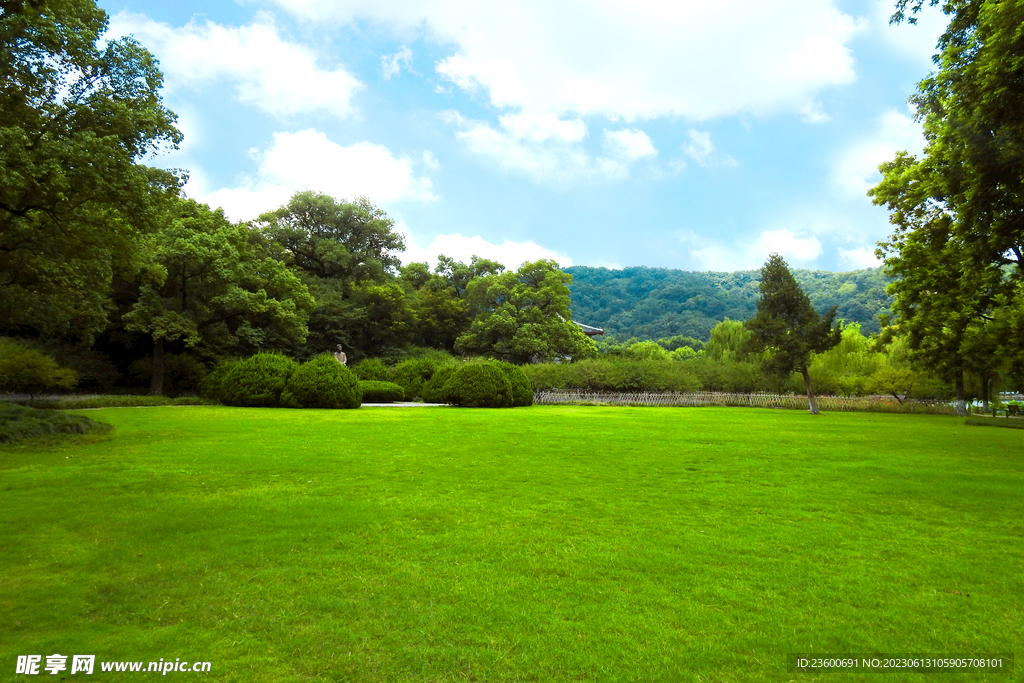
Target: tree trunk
156 384
811 400
961 405
985 390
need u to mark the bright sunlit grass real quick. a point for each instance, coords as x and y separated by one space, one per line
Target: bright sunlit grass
539 544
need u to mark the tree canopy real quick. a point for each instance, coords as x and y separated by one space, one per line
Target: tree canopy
958 236
523 316
75 121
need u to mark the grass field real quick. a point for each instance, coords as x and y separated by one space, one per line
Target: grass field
536 544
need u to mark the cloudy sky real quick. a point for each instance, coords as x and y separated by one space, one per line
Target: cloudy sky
685 134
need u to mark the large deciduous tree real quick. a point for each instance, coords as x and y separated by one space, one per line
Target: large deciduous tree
347 254
788 327
524 316
212 282
958 242
75 120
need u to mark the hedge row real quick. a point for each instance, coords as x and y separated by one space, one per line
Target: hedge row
270 380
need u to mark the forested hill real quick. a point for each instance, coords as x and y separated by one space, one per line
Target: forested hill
654 303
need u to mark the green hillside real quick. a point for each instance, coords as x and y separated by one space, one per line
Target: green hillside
653 303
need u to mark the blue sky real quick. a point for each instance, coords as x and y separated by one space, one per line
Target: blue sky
683 134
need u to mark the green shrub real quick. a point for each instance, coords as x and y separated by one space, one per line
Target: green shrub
258 381
434 389
19 422
381 392
372 369
322 382
522 388
411 375
479 385
212 386
24 369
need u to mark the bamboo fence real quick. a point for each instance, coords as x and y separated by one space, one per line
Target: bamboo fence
883 404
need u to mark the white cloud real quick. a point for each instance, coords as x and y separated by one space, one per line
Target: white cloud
546 147
308 160
798 250
392 64
625 60
456 246
629 143
702 150
855 170
277 76
857 258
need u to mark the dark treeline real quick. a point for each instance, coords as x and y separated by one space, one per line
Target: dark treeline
653 303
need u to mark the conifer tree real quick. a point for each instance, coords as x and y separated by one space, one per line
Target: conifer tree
788 327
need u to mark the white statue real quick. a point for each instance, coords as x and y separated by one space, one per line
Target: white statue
340 356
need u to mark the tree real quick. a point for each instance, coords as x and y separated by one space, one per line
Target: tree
524 317
75 120
213 282
787 327
347 241
346 254
958 238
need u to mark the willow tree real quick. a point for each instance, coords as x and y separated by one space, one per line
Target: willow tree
788 327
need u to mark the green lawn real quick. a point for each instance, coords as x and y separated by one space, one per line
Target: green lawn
533 544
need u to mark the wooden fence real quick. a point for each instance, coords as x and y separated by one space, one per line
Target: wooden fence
882 404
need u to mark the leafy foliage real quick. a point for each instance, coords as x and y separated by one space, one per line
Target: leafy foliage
322 382
381 392
787 327
434 391
958 244
479 385
212 385
25 369
372 369
210 282
522 388
258 381
411 375
524 317
74 120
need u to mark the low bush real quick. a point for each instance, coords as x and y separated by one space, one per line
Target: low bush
479 385
322 382
522 388
19 422
24 369
258 381
434 389
372 369
411 375
381 392
212 385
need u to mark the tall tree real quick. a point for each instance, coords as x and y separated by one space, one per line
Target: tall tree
213 283
958 242
524 316
788 327
347 254
75 119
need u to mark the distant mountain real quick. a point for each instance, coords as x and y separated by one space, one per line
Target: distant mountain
653 303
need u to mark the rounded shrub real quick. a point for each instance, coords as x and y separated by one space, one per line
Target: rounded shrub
411 375
381 392
257 381
211 387
522 387
479 385
372 369
322 382
434 388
